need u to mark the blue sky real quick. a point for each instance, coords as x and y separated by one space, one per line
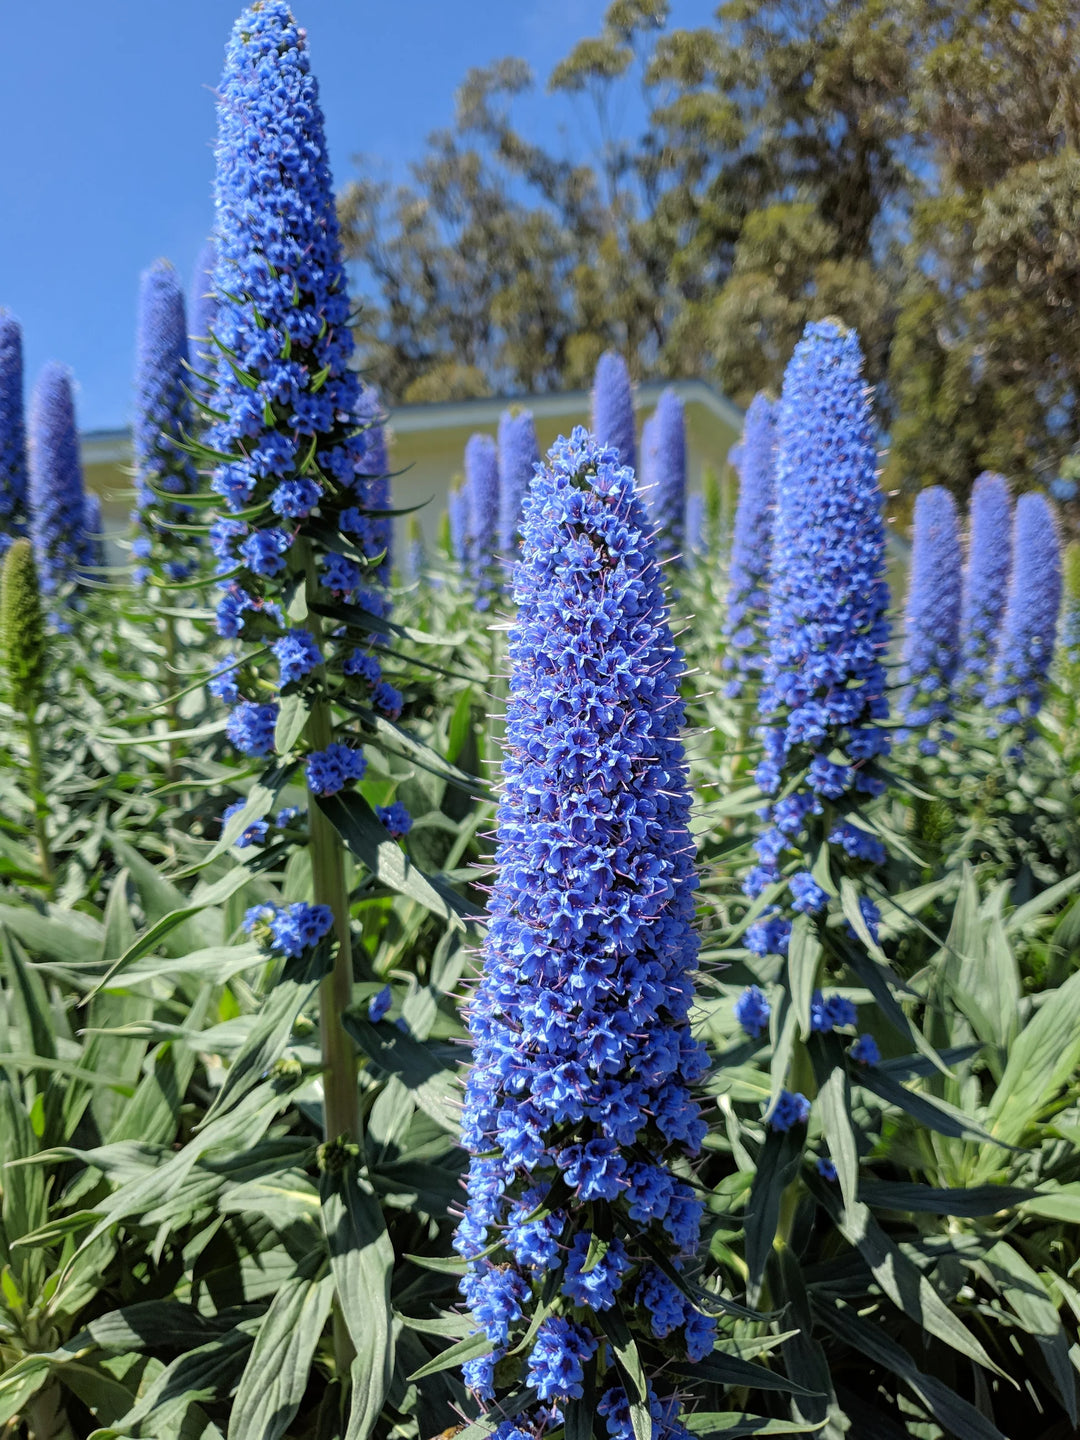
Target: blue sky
109 124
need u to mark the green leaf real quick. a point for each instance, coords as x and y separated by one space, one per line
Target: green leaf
578 1422
833 1105
278 1368
901 1279
266 1043
218 963
849 901
777 1164
1061 1203
969 1204
355 821
362 1261
192 938
630 1369
471 1348
206 1373
936 1114
957 1417
30 1015
1041 1060
429 1073
804 958
152 1325
707 1423
66 936
880 982
292 717
1020 920
1027 1297
733 1371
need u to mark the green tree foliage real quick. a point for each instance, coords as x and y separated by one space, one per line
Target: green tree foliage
907 165
987 347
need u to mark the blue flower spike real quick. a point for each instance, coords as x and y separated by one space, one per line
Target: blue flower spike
746 616
931 651
583 1064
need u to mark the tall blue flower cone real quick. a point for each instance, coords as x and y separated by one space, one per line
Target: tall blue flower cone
482 496
583 1058
932 618
518 455
663 469
297 467
824 693
986 583
1029 628
163 422
57 499
14 478
746 617
613 407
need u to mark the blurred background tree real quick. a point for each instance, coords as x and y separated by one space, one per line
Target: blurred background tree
910 167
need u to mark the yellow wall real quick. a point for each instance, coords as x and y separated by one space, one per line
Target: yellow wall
426 458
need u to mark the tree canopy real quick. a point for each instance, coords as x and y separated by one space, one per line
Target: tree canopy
912 168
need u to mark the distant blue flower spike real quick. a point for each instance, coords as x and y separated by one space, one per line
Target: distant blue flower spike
163 422
663 464
457 508
825 683
93 555
696 538
1029 629
613 407
202 313
746 619
1070 624
932 619
14 479
986 584
518 456
375 463
57 498
583 1061
482 493
824 694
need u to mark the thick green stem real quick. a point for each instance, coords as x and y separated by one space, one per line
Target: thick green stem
341 1102
41 804
341 1098
46 1414
341 1095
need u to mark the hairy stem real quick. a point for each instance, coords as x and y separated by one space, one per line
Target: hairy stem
341 1096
